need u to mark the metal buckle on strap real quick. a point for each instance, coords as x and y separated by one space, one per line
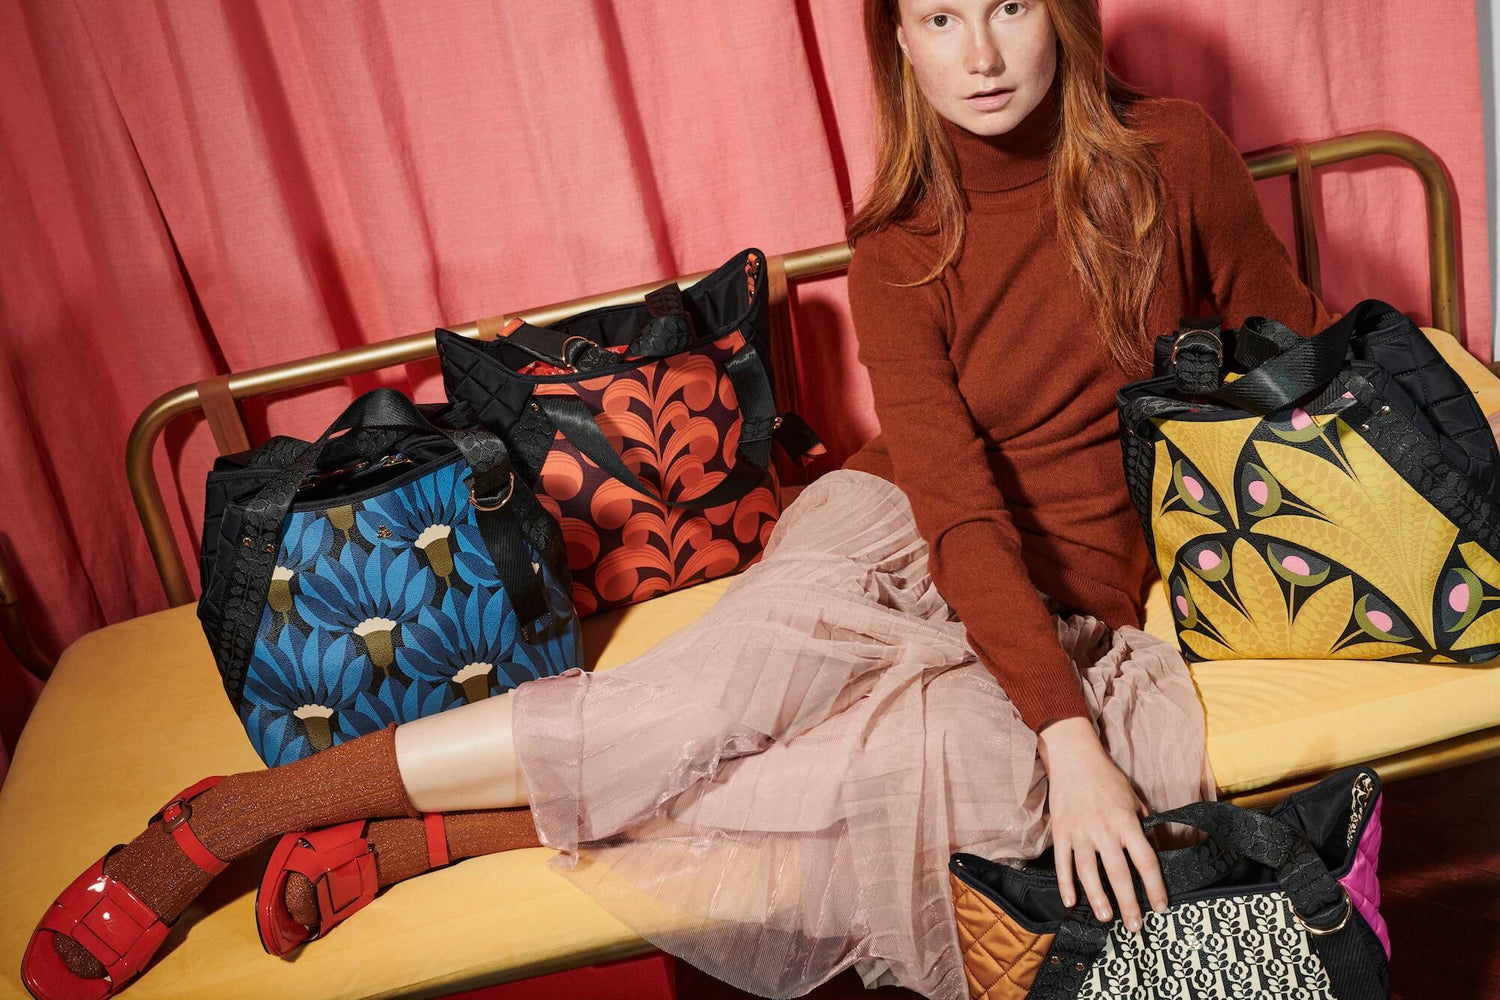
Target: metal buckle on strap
1323 931
488 504
566 361
177 812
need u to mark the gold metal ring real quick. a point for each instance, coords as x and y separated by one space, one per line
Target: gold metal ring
1322 931
510 488
564 350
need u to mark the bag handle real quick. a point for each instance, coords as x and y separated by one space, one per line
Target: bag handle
752 388
1319 901
491 489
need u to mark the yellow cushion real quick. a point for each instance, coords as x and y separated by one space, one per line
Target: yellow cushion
1270 721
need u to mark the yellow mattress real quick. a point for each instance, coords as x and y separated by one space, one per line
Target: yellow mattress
135 712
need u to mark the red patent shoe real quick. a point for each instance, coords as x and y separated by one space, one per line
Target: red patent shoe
340 864
103 915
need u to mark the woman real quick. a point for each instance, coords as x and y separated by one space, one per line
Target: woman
773 793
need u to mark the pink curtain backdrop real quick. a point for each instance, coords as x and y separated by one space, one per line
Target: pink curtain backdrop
191 188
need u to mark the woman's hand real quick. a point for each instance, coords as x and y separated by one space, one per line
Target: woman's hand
1096 817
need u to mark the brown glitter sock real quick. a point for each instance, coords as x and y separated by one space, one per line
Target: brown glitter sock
354 780
400 847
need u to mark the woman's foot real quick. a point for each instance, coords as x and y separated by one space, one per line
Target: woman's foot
122 922
83 947
320 879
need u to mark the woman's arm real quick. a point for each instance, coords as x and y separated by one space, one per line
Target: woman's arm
975 561
1242 265
941 466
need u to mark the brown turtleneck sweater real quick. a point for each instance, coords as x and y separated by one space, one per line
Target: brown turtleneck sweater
996 396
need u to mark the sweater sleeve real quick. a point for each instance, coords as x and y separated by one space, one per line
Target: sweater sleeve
1242 263
940 463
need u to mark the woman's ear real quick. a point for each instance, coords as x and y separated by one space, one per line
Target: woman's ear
901 40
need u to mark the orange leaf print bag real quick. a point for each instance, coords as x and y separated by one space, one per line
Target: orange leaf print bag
646 429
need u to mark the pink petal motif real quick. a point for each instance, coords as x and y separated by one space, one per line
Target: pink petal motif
1208 559
1363 883
1300 419
1259 492
1194 487
1348 395
1458 598
1379 619
1298 565
1182 605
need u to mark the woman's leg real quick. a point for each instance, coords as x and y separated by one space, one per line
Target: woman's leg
463 759
459 760
355 780
401 850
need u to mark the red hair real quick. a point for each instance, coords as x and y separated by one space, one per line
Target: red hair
1105 182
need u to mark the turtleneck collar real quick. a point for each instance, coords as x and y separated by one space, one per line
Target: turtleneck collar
1013 159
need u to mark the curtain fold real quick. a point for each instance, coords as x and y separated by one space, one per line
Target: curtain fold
191 188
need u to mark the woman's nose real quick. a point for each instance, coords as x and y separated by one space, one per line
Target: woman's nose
983 54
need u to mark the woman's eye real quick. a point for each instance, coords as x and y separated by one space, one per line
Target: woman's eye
1012 9
938 20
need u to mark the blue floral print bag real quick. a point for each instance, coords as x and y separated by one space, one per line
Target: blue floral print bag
394 568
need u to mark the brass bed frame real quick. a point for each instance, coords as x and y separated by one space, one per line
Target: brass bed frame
216 397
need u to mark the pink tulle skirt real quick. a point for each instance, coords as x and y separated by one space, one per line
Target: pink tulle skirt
772 793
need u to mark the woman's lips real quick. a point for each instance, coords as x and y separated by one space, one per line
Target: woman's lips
990 102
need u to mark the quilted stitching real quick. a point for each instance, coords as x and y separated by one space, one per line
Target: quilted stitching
1000 960
468 376
1363 883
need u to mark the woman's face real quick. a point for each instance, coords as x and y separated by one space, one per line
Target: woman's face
981 64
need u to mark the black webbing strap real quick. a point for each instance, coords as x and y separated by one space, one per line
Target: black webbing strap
752 388
1079 941
798 439
1280 367
1355 962
1284 367
492 486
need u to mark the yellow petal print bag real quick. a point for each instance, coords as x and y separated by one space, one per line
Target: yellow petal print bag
1335 496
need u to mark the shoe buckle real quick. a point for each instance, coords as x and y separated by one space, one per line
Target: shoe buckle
347 886
177 812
